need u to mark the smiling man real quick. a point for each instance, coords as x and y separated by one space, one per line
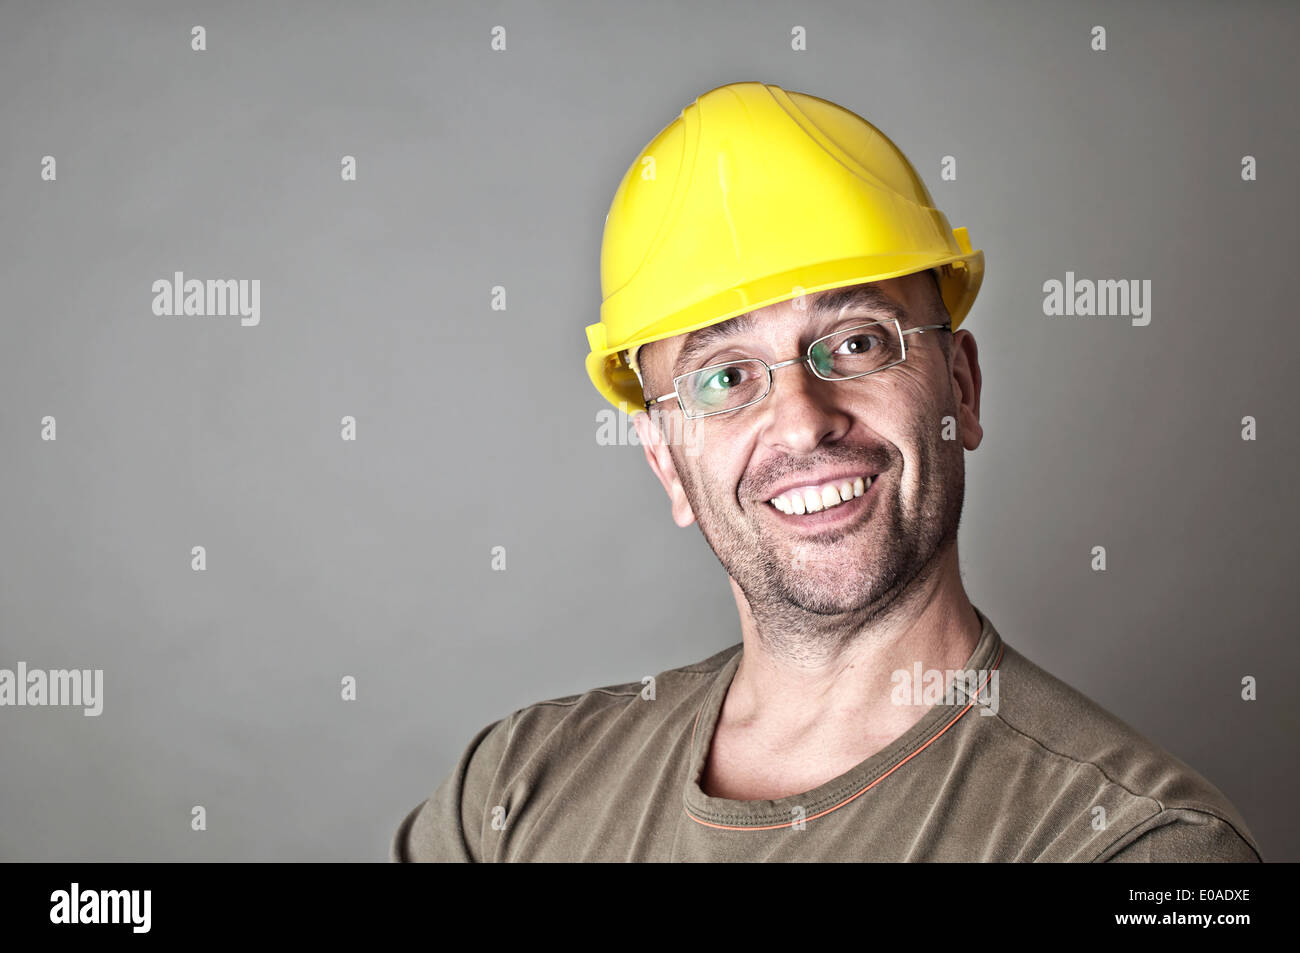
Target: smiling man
775 273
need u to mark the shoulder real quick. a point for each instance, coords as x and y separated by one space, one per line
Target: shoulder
540 746
1155 806
636 705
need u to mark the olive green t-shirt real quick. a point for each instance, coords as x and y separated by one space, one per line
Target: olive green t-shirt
1023 768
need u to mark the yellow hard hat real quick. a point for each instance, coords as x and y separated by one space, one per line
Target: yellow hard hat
755 195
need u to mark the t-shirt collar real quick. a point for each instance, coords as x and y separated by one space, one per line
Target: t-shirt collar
725 813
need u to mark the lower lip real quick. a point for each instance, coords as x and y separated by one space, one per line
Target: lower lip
823 519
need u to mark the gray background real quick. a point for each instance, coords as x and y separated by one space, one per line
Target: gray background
477 428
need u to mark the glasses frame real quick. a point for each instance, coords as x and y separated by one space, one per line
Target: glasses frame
806 359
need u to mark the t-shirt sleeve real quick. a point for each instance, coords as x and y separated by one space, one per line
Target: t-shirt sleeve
1184 836
447 827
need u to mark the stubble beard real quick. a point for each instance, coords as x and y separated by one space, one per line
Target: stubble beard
812 597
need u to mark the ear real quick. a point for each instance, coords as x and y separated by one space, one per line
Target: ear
660 458
967 383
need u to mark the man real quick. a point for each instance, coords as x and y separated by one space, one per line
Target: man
781 296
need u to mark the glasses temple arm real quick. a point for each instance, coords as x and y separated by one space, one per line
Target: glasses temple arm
926 327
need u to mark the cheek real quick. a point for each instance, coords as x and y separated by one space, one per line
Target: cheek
897 409
903 415
919 396
711 467
913 383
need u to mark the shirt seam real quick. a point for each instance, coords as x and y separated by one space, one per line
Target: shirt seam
1161 806
1092 764
569 702
1167 810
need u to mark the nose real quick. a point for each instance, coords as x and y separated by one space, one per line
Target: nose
801 412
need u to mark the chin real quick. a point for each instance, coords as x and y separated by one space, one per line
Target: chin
831 594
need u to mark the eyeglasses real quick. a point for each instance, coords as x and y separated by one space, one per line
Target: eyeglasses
843 355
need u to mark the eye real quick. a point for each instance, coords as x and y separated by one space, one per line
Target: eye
856 351
723 386
723 378
860 343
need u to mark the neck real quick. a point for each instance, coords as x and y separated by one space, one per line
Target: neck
829 676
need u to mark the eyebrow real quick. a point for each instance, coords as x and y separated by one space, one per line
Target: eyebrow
865 297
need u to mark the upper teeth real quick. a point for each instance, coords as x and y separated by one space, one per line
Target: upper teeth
810 499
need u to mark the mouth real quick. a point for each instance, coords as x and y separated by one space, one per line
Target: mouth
819 497
813 508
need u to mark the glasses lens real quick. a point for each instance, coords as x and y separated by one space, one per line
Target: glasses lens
857 351
722 387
